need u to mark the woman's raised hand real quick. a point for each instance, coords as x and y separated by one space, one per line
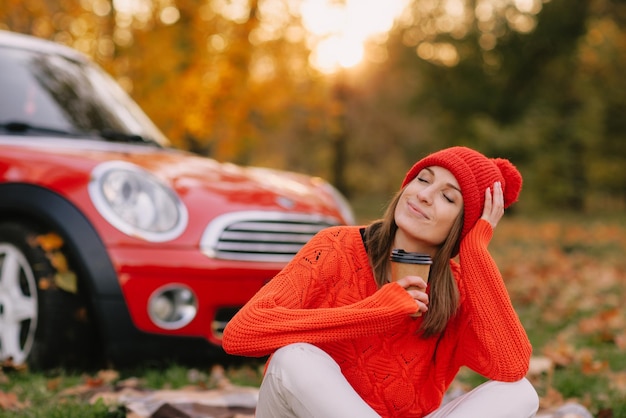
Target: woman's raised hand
494 204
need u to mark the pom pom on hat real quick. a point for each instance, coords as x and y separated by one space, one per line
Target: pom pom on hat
513 180
474 172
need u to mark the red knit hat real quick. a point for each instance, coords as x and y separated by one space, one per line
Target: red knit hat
475 173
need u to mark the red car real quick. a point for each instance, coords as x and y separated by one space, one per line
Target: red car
115 246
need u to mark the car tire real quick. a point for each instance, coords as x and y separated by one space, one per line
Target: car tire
41 324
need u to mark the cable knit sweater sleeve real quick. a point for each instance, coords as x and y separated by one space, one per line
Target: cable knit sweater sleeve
303 304
494 342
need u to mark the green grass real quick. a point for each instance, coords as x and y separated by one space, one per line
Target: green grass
68 409
61 394
38 395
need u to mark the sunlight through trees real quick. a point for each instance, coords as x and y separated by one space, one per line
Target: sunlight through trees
255 81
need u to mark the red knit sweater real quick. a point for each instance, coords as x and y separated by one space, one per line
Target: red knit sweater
327 296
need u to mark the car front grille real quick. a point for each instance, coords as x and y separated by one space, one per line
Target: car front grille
261 236
222 317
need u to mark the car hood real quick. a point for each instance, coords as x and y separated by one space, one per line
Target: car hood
199 181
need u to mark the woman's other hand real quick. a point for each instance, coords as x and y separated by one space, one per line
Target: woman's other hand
494 204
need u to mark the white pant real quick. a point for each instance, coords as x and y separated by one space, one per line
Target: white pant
303 381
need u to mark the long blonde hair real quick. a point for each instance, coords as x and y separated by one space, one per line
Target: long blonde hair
444 294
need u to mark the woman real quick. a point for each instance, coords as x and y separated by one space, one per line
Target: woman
347 342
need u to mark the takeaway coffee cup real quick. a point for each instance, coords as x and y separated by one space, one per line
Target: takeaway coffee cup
405 263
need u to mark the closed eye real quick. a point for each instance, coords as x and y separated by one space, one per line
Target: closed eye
452 195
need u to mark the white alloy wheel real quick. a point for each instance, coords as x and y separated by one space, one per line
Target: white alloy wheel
18 305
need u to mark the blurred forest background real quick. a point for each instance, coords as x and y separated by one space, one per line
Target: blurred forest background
265 82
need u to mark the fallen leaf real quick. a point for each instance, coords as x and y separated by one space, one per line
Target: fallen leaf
552 398
94 382
618 382
10 402
131 383
8 365
561 352
49 242
588 363
53 384
620 340
67 281
540 365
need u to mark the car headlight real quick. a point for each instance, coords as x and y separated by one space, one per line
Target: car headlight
136 202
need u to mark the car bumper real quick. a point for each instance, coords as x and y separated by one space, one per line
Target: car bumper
221 287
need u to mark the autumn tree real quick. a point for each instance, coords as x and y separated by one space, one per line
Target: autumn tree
536 81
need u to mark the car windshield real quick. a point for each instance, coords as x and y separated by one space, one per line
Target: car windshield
45 93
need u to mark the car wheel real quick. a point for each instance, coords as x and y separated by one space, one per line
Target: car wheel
41 324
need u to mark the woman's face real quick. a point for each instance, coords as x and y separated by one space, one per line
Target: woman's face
427 209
